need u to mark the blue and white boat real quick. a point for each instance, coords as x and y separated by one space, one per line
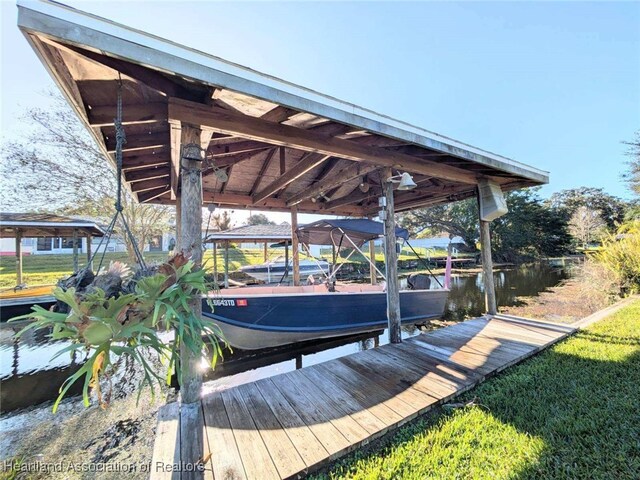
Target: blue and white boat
269 316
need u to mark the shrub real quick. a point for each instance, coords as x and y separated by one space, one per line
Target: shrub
620 255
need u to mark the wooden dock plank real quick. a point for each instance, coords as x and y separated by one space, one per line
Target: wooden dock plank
225 457
373 365
362 395
255 457
428 378
371 391
166 450
486 347
381 415
338 431
308 446
324 391
282 451
291 424
329 437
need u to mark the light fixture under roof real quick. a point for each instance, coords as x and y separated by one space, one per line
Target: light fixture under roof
404 181
364 185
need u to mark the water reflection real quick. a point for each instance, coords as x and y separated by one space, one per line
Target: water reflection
28 372
29 376
466 298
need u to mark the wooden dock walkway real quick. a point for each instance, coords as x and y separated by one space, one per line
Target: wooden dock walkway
291 424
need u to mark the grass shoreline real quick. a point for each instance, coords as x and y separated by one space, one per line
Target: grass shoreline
569 412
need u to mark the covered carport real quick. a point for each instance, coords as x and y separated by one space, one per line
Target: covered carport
201 130
38 225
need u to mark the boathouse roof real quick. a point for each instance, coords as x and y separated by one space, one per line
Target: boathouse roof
281 145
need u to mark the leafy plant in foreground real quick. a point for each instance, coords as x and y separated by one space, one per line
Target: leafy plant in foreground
129 323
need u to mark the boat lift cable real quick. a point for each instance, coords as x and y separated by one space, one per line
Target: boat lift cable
121 139
426 264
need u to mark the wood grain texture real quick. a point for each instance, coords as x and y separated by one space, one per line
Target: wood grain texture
391 262
166 449
292 424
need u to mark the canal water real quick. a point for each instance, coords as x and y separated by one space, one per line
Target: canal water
30 376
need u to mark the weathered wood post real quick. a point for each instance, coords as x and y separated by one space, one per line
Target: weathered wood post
191 424
226 264
266 254
286 258
215 261
75 250
391 262
89 262
178 223
19 257
487 268
294 246
191 242
372 257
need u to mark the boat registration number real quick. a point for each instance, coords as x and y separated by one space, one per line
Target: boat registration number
229 302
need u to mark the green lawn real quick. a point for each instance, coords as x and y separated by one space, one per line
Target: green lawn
569 413
48 269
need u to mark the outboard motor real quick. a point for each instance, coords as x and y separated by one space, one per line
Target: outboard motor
419 281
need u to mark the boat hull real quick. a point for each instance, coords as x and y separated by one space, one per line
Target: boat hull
259 321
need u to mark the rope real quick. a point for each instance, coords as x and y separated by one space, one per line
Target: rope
121 139
425 264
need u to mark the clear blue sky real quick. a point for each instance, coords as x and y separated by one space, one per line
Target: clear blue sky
554 85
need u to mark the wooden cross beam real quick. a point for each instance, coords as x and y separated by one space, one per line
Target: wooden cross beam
258 129
263 169
304 165
103 116
151 184
237 147
138 141
144 161
242 201
279 114
147 174
341 176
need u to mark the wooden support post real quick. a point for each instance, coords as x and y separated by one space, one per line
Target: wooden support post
226 264
178 223
19 257
391 264
191 242
89 262
487 268
372 257
294 246
75 250
266 254
286 259
215 261
190 195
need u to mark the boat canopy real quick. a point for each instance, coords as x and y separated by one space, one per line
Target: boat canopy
359 231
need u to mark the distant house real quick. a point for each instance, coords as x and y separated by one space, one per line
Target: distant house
44 233
48 234
440 242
